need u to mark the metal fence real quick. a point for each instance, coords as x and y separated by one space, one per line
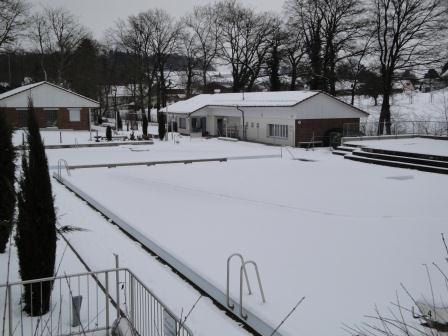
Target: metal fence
397 127
86 303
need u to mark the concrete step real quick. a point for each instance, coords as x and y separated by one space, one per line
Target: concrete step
339 152
347 148
400 158
397 164
406 154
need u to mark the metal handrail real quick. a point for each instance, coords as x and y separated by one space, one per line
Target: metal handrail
243 269
63 162
134 308
229 304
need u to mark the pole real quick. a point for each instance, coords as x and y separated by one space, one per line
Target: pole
117 284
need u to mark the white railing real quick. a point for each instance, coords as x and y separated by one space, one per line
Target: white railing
85 303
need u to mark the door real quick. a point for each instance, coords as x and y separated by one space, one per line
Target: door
220 127
204 126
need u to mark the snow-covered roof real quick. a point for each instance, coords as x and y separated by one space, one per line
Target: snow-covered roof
45 94
19 90
261 99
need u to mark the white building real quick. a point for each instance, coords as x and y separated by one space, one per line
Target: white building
291 118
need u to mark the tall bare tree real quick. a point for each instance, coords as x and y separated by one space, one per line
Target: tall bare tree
408 34
57 31
204 27
12 20
244 41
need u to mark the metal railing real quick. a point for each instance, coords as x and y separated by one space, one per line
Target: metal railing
243 271
397 127
85 303
62 163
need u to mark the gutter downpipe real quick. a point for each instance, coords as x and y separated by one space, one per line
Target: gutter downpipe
244 124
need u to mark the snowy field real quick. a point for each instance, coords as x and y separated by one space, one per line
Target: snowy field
417 106
411 145
343 234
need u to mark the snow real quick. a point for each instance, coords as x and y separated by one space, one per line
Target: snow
409 145
285 98
343 234
411 106
200 148
205 319
19 90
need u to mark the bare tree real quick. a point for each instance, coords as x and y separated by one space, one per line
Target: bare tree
329 29
244 41
307 19
12 20
408 34
295 51
40 36
189 51
65 33
205 30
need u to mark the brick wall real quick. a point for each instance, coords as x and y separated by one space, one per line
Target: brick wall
63 118
305 128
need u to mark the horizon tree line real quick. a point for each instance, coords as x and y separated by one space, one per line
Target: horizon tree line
317 42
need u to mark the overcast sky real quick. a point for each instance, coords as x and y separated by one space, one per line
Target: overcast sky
98 15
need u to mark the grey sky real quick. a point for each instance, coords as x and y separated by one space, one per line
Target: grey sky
98 15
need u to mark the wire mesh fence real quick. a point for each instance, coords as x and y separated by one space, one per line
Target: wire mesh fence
397 127
86 303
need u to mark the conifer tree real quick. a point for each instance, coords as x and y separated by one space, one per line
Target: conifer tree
36 223
7 179
162 127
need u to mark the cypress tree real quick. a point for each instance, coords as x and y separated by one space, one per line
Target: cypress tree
109 133
36 223
7 179
119 122
162 127
144 124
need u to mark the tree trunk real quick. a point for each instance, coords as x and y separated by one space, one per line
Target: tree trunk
384 122
292 85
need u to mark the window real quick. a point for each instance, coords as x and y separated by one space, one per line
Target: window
251 124
74 115
278 131
23 117
183 123
51 118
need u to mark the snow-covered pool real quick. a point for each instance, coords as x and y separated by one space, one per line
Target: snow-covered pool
341 233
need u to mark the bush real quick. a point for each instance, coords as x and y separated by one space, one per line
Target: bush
162 127
109 133
7 179
144 124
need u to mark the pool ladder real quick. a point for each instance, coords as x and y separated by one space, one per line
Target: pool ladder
243 271
62 163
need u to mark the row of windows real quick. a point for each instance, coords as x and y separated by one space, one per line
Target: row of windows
51 116
278 131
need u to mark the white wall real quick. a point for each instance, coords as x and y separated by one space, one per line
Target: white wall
46 95
320 106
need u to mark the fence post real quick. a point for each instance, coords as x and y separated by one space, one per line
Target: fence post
107 303
117 285
10 328
131 298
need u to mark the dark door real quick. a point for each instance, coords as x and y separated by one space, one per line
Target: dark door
204 125
220 127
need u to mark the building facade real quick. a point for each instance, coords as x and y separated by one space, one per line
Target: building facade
297 118
55 107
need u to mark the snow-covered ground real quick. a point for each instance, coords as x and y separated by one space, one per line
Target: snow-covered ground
343 234
417 106
70 137
200 148
409 145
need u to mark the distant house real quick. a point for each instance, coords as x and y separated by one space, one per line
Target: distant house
55 106
291 118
